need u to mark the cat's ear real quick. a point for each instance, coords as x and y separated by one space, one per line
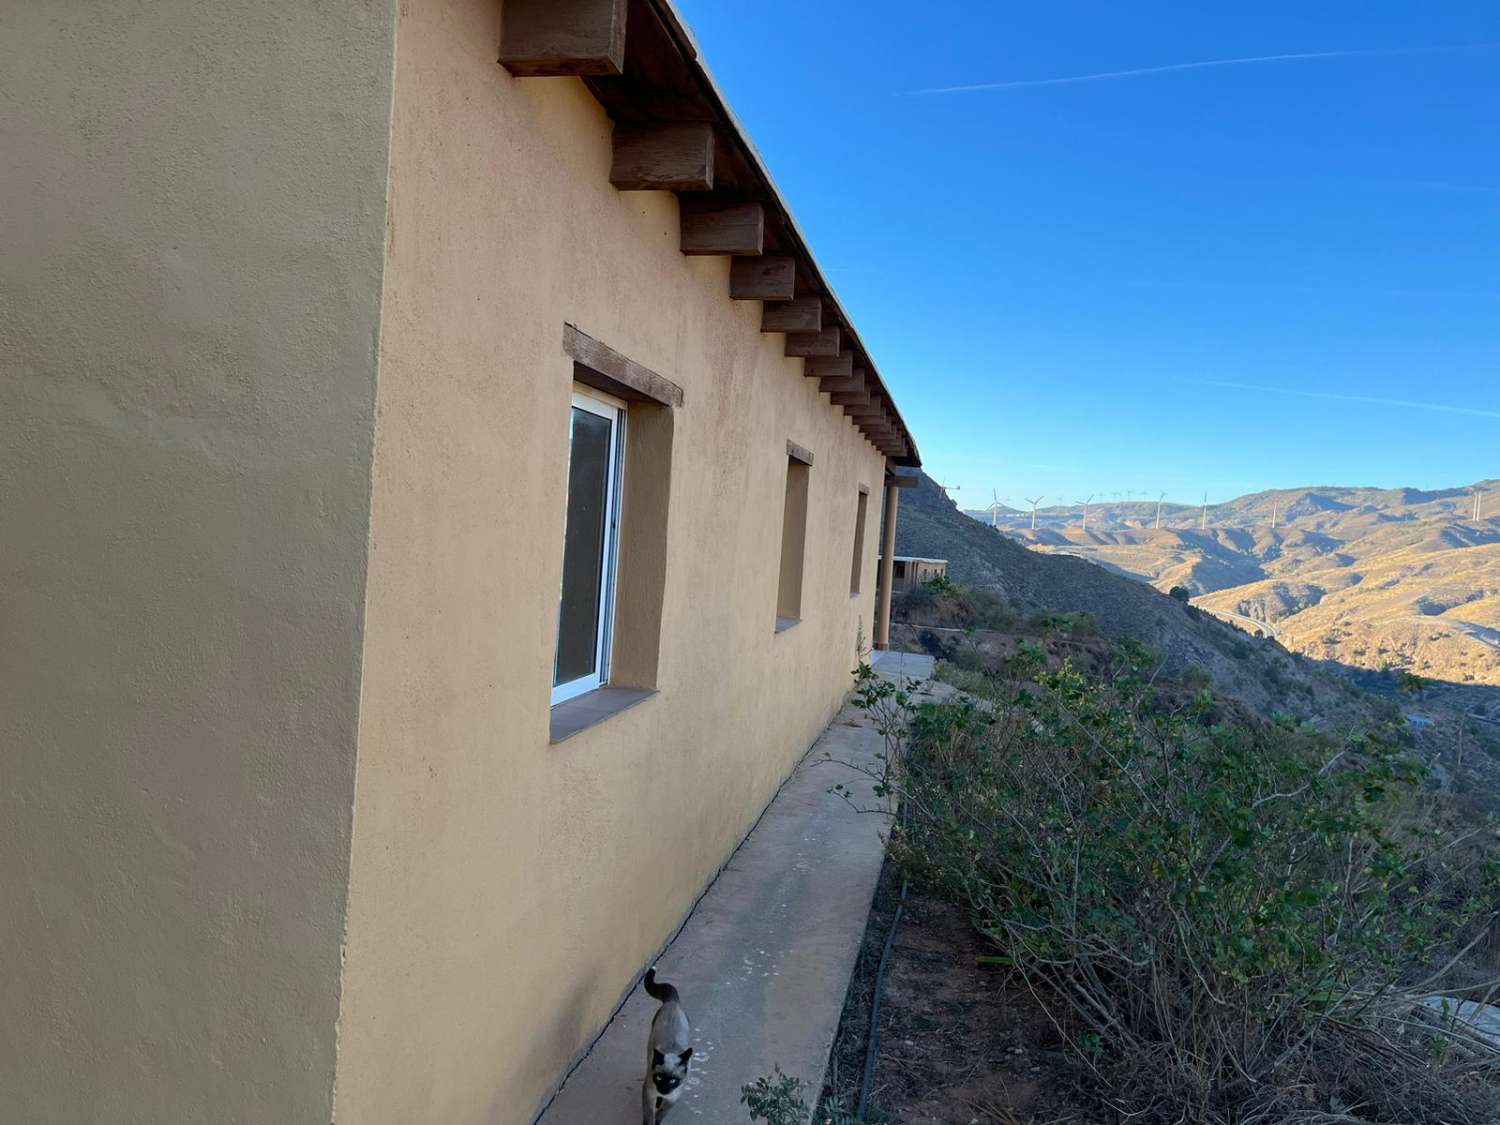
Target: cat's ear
657 1058
685 1056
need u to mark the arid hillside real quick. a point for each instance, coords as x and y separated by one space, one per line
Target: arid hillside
1413 605
1372 578
1256 671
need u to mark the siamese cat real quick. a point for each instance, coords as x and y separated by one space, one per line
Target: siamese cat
668 1049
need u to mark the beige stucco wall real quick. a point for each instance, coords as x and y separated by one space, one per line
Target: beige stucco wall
504 890
191 213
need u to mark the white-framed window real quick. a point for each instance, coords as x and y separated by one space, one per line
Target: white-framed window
596 448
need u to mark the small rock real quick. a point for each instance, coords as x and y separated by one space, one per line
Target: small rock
1481 1020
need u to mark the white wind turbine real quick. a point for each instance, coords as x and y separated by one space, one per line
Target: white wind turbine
1034 501
1085 504
995 509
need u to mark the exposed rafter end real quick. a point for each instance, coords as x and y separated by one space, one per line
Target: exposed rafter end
547 38
801 314
723 228
850 398
762 279
830 367
663 158
834 384
824 342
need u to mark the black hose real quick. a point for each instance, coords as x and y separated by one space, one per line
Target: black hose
871 1044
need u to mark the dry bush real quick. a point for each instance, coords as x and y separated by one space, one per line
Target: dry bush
1228 923
942 603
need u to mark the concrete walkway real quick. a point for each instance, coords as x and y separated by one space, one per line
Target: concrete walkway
764 959
903 665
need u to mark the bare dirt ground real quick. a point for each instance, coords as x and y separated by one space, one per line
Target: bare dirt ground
957 1043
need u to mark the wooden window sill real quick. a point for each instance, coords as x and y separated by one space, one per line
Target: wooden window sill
573 716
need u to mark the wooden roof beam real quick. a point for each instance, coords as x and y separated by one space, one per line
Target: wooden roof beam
767 278
663 158
541 38
800 314
722 228
834 384
840 366
824 342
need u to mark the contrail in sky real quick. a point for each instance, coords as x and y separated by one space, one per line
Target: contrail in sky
1440 407
1143 71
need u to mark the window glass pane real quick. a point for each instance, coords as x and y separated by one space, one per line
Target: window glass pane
583 547
859 543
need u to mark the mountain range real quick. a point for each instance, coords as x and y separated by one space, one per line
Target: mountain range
1371 578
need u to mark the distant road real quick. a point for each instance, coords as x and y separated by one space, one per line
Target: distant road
1481 633
1260 626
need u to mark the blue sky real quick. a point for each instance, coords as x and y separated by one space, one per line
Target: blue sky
1186 280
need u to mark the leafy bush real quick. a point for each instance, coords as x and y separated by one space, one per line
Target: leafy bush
1078 624
1081 624
1181 593
1195 677
971 659
965 679
776 1099
949 604
1218 919
1408 683
941 585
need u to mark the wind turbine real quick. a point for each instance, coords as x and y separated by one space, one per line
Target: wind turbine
1203 514
1159 499
1085 504
1273 515
1034 501
995 509
1478 504
947 488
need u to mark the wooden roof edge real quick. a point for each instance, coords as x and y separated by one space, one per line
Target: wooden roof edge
678 29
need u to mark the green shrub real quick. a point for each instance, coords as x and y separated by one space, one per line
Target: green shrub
1195 677
1215 917
962 678
1408 683
776 1099
941 602
1181 593
941 585
970 659
1081 624
1076 624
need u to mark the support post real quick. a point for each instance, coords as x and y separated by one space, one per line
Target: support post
887 568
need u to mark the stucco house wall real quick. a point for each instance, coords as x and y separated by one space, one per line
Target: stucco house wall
505 890
192 210
283 450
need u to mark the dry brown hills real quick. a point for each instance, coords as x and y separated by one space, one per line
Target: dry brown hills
1373 578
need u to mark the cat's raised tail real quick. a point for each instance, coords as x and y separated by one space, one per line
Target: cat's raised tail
666 993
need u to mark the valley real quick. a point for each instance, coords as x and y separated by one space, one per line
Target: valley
1368 578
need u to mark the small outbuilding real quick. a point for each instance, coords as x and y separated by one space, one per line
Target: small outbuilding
908 571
